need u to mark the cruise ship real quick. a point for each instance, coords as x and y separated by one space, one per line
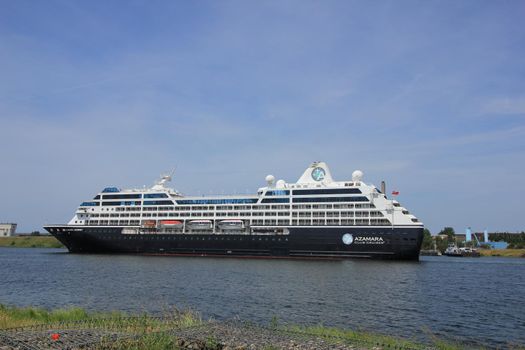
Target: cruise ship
315 217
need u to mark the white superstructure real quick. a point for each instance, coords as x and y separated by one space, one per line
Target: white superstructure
316 199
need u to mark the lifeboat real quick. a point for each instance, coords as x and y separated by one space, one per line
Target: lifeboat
200 224
233 224
170 223
149 223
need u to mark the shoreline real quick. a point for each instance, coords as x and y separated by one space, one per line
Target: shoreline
30 242
502 253
177 329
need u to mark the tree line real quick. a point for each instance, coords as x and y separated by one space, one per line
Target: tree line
515 241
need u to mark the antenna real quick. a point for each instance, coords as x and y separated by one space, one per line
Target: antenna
159 185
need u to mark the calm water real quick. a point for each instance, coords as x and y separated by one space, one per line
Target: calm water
479 301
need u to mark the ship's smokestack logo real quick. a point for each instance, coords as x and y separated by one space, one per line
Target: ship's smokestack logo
348 238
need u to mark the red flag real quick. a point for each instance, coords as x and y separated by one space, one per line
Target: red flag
395 193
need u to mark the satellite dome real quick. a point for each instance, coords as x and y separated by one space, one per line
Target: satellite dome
357 175
280 184
270 179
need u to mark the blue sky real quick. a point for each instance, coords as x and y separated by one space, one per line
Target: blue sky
429 96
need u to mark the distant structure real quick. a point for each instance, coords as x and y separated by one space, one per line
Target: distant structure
467 237
7 229
468 234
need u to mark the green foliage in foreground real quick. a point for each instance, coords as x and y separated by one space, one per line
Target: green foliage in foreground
373 340
30 242
11 317
152 341
152 332
18 317
356 337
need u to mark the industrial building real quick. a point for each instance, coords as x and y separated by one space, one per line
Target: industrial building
7 229
480 238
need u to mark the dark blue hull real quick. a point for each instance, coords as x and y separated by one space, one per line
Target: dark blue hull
398 243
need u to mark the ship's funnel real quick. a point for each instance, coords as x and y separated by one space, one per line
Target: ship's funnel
317 173
383 187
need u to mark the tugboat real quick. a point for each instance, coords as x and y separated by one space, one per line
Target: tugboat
453 250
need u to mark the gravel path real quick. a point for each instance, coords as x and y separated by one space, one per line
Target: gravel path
237 336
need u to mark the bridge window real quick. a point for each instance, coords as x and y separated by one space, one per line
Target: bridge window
110 190
278 193
89 204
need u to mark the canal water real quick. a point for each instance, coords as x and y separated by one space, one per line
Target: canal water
479 301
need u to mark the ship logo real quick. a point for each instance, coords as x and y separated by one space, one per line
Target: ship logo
318 174
348 238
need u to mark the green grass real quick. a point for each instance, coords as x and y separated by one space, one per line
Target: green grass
154 341
509 253
355 337
151 332
371 340
30 242
20 317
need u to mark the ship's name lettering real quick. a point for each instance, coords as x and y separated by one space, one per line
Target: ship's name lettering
368 240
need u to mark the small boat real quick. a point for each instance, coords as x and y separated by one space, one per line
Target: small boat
233 224
149 223
130 231
453 250
469 252
200 224
171 223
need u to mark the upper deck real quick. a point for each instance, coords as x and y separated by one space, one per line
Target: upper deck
314 200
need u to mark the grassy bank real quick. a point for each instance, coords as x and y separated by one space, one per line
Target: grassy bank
11 317
30 242
510 253
152 332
